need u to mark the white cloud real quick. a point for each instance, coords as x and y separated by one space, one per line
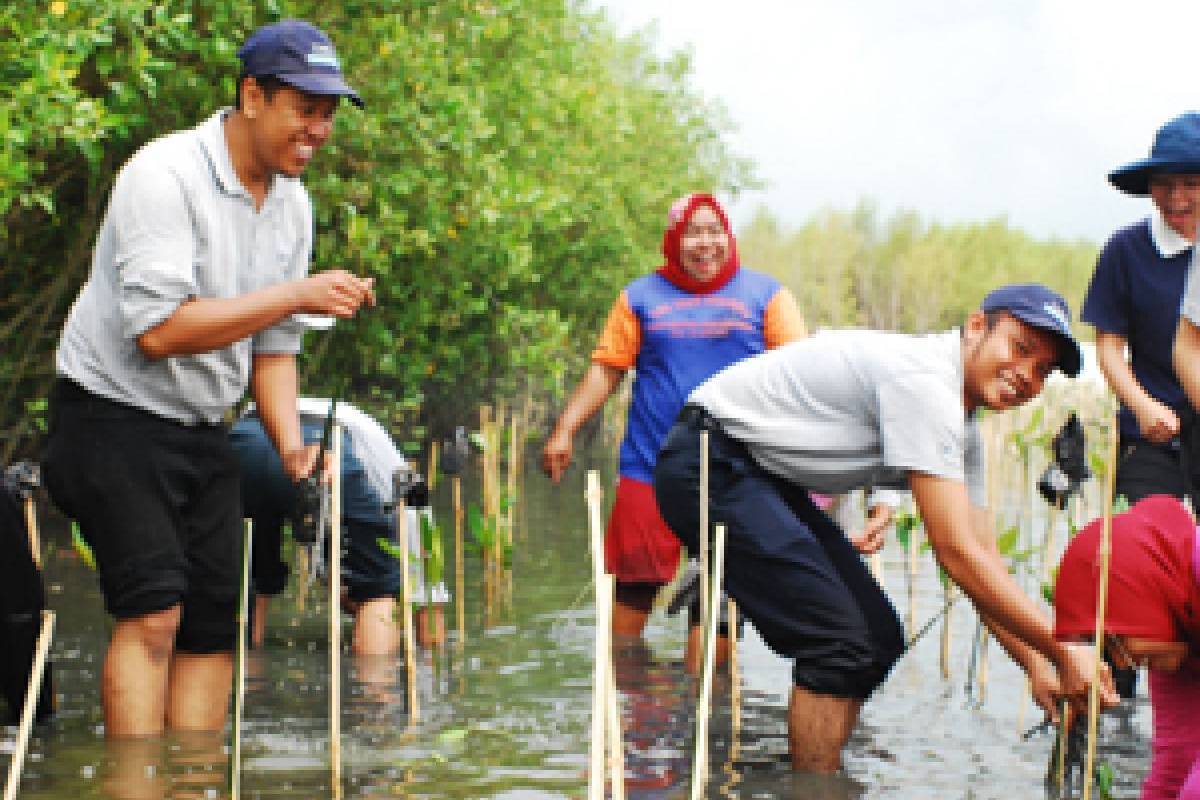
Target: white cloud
959 110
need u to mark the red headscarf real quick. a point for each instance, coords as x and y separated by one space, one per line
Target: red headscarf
677 220
1152 580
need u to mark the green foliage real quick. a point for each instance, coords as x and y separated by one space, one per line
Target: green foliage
511 172
1105 779
906 522
1120 504
82 547
434 553
852 268
484 531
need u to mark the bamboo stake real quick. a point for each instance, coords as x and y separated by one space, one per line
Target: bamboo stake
603 654
32 691
700 763
616 741
982 673
1063 730
735 685
945 652
704 572
239 692
335 616
512 477
432 469
31 525
460 602
410 659
1101 608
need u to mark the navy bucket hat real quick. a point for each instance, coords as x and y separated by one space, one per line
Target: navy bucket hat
299 54
1176 150
1042 308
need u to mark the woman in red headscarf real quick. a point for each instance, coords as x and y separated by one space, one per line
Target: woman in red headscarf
697 314
1152 620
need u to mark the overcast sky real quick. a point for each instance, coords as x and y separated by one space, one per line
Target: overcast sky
959 110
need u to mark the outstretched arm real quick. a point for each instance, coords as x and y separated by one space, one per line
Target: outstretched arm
597 384
980 572
204 324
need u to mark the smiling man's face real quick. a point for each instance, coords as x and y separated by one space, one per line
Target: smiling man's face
1005 361
1178 200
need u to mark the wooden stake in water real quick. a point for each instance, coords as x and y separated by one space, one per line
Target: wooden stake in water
432 468
603 654
616 741
31 525
1101 609
735 683
410 658
239 667
460 602
704 572
700 763
335 615
32 692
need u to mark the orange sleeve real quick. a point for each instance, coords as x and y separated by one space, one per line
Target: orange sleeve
782 322
621 338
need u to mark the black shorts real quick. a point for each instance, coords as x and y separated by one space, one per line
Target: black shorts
792 571
1145 468
159 504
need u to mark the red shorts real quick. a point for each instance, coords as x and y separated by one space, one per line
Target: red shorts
639 547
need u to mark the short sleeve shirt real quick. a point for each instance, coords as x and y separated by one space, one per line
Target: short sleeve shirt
844 410
1135 292
180 225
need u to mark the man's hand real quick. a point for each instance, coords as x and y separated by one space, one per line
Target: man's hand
1157 422
1075 670
556 454
335 292
874 531
1044 685
300 462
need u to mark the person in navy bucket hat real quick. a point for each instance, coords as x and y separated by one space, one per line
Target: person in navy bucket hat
1176 151
299 54
199 278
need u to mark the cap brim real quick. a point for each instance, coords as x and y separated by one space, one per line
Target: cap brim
322 83
1134 178
1070 355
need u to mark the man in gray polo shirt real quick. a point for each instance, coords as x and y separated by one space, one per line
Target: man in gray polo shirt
199 266
846 409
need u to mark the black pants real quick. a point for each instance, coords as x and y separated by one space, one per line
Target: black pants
791 570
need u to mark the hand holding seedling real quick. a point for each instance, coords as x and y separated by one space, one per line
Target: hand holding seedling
1156 421
1075 673
874 531
335 292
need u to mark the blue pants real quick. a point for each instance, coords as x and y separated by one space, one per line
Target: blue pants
269 498
791 570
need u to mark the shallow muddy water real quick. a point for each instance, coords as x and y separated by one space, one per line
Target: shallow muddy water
504 713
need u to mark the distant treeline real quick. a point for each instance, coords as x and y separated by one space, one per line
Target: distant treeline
855 268
511 172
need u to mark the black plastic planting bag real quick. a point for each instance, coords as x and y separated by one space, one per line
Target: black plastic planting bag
22 598
1066 474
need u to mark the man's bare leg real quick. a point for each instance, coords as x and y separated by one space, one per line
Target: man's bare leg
198 691
136 669
628 621
375 629
259 629
693 656
818 727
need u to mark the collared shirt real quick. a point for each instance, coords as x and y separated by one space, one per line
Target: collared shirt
1135 292
180 225
846 409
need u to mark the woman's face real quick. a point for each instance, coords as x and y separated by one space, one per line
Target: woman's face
1178 200
703 245
1134 651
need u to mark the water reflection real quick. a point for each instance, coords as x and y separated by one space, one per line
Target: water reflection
504 711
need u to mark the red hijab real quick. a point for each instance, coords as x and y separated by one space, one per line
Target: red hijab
1152 578
677 220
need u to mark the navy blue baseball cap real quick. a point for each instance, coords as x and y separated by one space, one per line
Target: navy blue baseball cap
1176 150
299 54
1042 308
